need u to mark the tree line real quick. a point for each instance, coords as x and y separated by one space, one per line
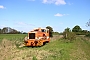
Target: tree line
8 30
76 29
71 34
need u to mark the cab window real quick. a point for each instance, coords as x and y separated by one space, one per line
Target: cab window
36 30
43 30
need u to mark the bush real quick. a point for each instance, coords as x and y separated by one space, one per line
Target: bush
69 35
88 35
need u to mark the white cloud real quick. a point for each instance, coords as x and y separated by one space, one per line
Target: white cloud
2 7
59 15
56 2
60 2
48 1
44 1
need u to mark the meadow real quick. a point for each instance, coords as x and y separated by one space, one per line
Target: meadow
57 49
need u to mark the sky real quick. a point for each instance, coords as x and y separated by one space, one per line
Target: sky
25 15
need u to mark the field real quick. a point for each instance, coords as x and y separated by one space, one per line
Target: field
57 49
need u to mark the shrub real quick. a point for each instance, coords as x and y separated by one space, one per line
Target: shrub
69 35
88 35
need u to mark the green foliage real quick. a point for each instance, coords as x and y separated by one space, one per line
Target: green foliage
0 31
85 32
79 31
76 29
87 35
69 35
55 50
50 31
67 30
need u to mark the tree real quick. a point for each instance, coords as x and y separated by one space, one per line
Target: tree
0 31
76 29
8 30
5 30
67 30
65 33
50 31
88 23
84 32
13 31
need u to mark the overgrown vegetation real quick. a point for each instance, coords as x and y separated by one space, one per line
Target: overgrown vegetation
57 49
88 35
70 36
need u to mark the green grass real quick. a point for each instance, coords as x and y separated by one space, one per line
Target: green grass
12 36
58 49
16 38
85 46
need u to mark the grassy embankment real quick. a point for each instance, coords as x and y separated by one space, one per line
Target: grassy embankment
57 49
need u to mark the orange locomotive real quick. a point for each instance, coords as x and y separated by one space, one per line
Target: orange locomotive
37 37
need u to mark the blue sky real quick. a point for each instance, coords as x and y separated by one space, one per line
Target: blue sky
25 15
